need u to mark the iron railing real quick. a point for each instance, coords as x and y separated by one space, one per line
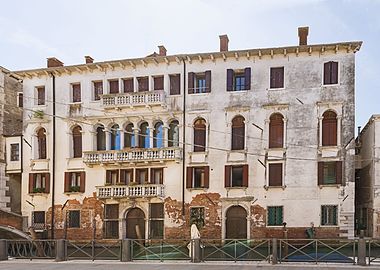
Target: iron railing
41 249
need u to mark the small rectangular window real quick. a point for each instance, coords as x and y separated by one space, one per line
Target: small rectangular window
143 84
330 73
41 95
38 220
277 77
111 221
156 175
275 215
237 176
200 83
330 173
112 177
20 100
329 215
158 83
76 92
275 174
114 86
128 85
75 181
74 219
126 176
142 176
175 84
15 152
239 80
197 216
199 177
156 220
98 89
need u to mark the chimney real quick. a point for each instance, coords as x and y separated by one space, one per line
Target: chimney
89 59
162 50
224 43
54 62
302 34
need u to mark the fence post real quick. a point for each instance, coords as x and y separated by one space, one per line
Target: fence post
126 250
274 251
196 250
362 252
61 248
3 250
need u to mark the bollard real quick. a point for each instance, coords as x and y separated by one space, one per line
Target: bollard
196 250
3 250
126 250
362 252
60 255
274 251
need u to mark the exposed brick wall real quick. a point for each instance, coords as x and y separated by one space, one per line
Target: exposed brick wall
10 219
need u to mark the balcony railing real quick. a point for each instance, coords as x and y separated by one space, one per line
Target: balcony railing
148 190
132 155
133 99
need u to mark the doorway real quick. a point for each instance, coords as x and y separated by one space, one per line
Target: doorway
236 223
135 224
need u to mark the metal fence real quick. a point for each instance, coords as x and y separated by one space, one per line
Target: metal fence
41 249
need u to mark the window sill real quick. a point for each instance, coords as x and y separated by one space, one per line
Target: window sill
72 192
329 185
200 94
274 187
238 91
45 194
195 189
328 85
276 89
233 188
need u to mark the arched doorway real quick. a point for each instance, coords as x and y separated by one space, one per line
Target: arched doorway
236 223
135 224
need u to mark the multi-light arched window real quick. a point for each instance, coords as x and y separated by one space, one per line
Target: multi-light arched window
115 137
129 136
100 138
41 141
158 135
200 135
173 134
329 129
77 141
276 131
144 135
238 133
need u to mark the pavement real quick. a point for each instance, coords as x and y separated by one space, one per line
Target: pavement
20 264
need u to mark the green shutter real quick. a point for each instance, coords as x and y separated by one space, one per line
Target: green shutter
334 210
279 216
275 215
271 216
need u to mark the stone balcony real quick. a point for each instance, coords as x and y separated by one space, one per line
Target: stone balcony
132 155
131 100
130 191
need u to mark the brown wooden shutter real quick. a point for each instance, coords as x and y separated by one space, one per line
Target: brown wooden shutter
159 83
245 175
339 172
41 96
334 72
114 87
189 177
329 129
175 84
276 131
247 78
320 173
47 182
162 176
207 176
327 73
227 176
128 85
275 174
76 93
77 142
272 78
280 77
230 79
122 176
199 140
31 182
82 186
208 81
190 82
67 182
108 177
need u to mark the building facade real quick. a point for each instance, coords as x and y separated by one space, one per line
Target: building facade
246 144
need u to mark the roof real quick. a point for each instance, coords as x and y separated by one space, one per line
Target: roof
374 117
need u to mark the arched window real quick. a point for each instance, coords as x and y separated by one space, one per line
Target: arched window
276 131
77 141
115 137
129 136
200 135
329 129
158 138
238 133
144 135
236 223
41 140
100 138
173 136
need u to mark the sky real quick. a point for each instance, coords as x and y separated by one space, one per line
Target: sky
31 31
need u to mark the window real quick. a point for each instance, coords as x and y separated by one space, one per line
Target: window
38 220
115 137
39 183
275 174
329 215
126 176
277 77
20 100
114 86
74 219
197 177
158 83
200 135
158 136
144 138
112 177
275 215
329 173
156 220
156 175
276 131
75 181
199 82
173 135
143 84
15 152
329 129
129 136
98 89
236 176
238 133
330 73
197 216
100 138
142 176
77 142
111 221
238 80
175 84
128 85
41 95
41 143
76 92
